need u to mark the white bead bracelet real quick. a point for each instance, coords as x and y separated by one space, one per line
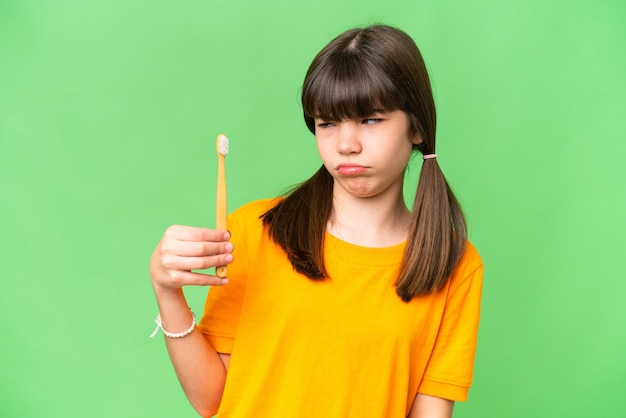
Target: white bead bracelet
173 334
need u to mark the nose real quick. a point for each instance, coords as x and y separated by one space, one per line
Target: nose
348 138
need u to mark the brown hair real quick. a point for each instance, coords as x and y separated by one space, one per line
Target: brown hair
358 73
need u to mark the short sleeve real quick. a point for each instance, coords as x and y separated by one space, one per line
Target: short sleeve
223 304
449 370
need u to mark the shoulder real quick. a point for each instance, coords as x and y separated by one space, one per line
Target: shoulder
471 257
247 230
254 210
246 220
469 267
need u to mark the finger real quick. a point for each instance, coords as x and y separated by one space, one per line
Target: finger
190 233
175 262
189 278
195 248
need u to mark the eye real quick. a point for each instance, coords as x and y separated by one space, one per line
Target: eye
322 124
370 121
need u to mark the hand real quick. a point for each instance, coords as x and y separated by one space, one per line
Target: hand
183 249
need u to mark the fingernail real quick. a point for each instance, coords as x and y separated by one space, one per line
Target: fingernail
227 236
228 258
228 247
224 281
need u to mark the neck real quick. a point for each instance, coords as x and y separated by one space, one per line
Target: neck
378 221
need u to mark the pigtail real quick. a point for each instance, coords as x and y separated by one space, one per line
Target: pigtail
298 224
437 235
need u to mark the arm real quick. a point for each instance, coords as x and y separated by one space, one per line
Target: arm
425 406
200 369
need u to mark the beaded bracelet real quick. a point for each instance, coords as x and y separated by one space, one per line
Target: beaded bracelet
173 334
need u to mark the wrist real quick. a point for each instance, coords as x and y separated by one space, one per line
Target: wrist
169 334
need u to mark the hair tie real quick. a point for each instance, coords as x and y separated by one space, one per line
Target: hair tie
429 156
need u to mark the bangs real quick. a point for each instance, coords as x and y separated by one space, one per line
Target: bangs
347 87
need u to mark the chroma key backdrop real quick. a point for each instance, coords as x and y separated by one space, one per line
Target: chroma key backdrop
108 116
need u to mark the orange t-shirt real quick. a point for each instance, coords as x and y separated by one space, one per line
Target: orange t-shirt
344 347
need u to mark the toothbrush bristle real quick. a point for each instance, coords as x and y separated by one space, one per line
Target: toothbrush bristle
222 144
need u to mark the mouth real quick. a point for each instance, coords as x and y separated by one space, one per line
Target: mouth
351 169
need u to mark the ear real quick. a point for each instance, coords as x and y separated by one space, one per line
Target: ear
416 140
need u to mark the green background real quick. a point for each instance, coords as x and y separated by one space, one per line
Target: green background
108 117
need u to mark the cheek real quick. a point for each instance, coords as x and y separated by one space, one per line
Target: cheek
322 149
401 157
318 145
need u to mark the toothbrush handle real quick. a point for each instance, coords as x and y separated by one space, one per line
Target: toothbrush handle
220 208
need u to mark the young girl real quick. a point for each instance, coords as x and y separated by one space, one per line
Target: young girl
340 301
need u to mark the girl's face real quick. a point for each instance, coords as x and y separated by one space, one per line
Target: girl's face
366 157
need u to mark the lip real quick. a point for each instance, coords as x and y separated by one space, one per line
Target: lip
351 169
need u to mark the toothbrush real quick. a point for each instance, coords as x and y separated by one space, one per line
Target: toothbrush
220 208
